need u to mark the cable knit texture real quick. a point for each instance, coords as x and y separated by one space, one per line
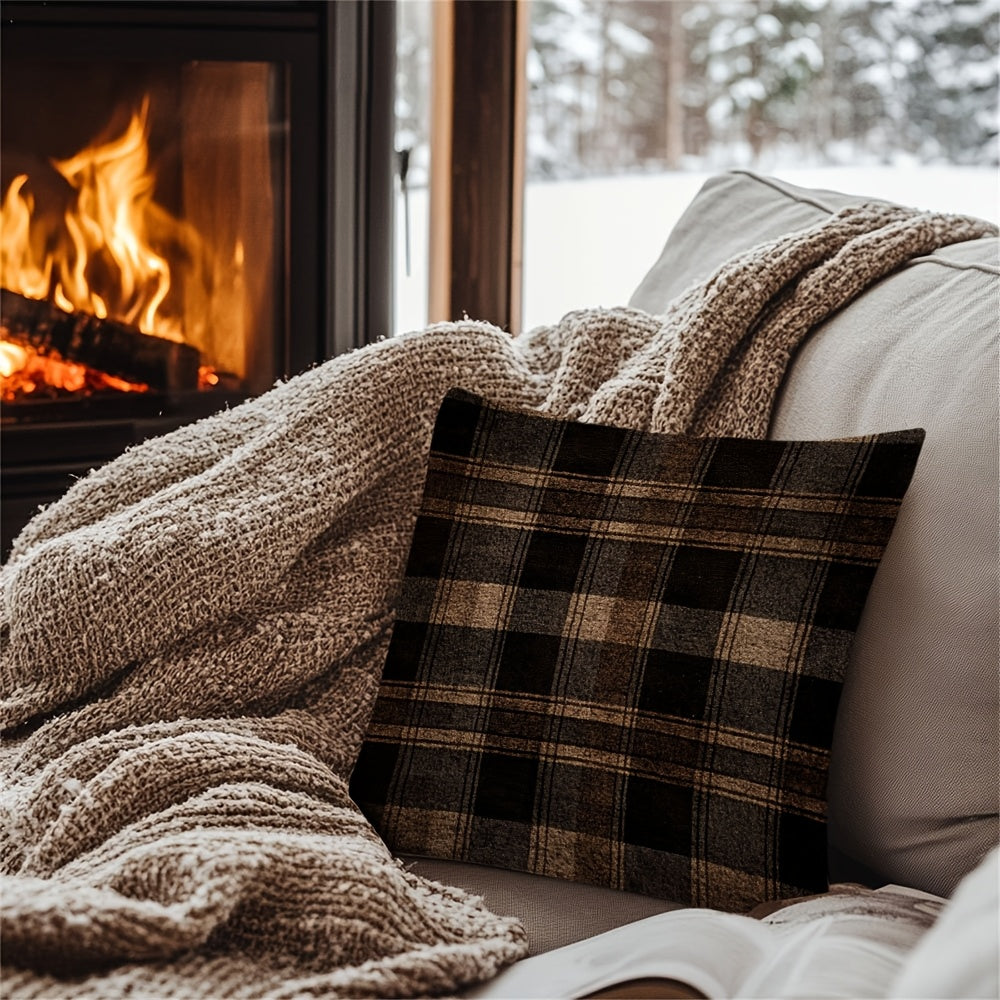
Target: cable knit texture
193 638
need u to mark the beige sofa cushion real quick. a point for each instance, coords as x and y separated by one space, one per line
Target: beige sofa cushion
913 790
553 911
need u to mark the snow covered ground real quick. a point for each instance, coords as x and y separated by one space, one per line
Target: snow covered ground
589 242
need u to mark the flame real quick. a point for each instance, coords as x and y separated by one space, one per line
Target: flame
115 195
106 229
13 357
98 258
19 269
31 373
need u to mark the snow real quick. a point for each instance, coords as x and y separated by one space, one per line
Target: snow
803 50
628 39
590 242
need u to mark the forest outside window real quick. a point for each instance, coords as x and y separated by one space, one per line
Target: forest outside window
631 104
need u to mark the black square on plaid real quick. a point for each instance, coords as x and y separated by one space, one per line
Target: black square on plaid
702 577
455 434
589 450
405 649
844 592
639 681
675 684
732 466
658 815
552 561
505 788
429 546
527 662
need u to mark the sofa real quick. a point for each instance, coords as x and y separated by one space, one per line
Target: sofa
913 791
205 641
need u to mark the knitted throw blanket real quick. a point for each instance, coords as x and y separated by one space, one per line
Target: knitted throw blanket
193 637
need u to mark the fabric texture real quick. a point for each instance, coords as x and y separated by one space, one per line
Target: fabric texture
913 792
193 638
614 649
959 957
542 904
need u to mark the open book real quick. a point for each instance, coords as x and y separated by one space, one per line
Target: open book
850 942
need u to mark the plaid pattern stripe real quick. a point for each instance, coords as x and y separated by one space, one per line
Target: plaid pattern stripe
618 654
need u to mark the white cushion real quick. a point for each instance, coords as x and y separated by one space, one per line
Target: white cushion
959 957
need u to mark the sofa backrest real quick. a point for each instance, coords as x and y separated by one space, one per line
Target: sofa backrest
913 788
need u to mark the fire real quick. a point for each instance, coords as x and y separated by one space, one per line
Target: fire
99 257
24 371
13 357
20 270
110 222
36 373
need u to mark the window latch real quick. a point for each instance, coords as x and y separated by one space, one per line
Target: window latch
403 166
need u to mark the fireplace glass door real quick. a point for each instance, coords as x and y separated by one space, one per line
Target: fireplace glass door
141 233
195 203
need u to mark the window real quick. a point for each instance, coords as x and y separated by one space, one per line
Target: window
632 104
414 45
474 191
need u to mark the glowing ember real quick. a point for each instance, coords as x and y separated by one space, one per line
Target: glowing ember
38 374
12 358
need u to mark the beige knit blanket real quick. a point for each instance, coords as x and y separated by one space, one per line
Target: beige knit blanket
193 637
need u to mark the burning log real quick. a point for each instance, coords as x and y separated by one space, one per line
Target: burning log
107 345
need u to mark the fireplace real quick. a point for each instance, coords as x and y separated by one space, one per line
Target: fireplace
195 203
150 208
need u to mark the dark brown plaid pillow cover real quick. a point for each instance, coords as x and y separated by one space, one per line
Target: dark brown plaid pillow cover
618 655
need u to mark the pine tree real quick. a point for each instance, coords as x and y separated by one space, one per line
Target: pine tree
951 99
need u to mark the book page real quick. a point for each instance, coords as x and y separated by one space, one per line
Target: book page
710 951
847 943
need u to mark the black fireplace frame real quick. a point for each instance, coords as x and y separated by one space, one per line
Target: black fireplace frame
338 222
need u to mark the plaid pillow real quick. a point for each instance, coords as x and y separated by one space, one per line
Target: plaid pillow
618 654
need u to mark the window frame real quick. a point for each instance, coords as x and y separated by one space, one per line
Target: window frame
477 182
